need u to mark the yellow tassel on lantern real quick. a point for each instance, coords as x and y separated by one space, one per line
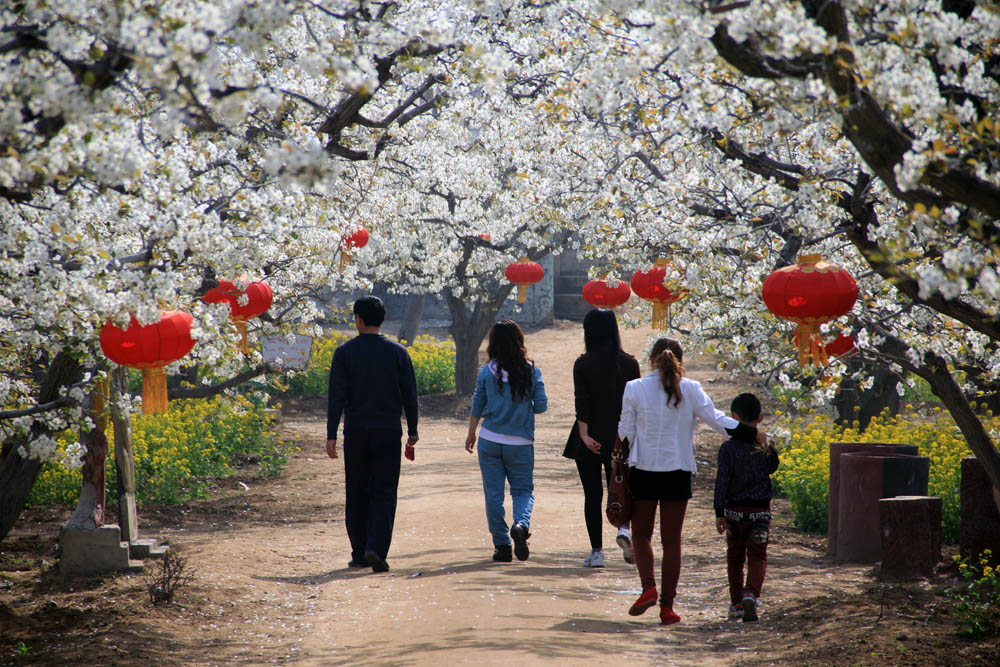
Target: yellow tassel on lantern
810 344
661 315
345 259
522 293
154 390
244 345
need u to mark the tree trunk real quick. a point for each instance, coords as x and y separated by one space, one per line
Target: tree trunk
411 321
934 369
18 473
944 387
128 520
468 329
853 403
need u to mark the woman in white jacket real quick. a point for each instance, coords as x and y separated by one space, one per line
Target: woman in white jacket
658 415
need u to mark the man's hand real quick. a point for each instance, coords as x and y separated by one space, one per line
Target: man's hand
761 437
470 441
411 439
720 524
331 448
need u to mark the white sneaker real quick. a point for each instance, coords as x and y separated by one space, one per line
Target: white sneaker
624 540
594 559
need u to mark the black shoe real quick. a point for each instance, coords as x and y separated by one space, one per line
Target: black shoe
377 562
502 553
357 563
519 533
749 608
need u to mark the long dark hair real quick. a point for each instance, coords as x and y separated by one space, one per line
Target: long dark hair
506 348
667 357
600 331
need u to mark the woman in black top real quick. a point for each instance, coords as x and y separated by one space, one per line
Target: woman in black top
599 377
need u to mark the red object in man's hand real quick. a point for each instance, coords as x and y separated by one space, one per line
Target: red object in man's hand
409 452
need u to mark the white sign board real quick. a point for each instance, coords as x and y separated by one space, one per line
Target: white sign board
290 354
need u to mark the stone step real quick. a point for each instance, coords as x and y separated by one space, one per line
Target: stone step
87 552
147 548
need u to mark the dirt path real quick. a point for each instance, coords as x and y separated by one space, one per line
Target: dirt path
444 598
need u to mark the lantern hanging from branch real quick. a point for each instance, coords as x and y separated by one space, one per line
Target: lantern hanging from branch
606 293
652 286
523 273
810 293
358 239
258 299
150 348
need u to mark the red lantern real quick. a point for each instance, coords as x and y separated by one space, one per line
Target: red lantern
810 293
259 298
522 273
150 348
603 295
651 286
358 239
841 346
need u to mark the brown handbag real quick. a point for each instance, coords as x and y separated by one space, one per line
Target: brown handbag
619 509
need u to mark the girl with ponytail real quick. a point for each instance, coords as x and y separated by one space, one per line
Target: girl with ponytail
658 419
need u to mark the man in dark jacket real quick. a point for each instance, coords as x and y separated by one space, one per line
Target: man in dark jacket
371 384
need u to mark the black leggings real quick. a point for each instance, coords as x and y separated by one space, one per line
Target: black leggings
589 468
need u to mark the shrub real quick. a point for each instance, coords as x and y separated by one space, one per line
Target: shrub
804 473
977 601
433 364
177 454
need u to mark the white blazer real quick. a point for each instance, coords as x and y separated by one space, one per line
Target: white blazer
661 435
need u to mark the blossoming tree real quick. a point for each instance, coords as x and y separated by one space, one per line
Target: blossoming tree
744 134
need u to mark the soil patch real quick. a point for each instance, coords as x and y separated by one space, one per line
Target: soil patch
271 583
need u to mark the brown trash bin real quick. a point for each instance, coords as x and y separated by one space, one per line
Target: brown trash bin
911 536
864 480
833 490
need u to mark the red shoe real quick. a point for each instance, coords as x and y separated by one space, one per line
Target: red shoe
645 601
668 617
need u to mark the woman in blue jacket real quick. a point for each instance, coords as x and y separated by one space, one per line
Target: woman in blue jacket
509 393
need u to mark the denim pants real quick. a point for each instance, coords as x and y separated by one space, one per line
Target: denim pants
507 463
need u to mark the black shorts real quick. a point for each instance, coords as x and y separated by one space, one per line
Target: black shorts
656 485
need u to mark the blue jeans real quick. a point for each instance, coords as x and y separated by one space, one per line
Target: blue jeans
514 464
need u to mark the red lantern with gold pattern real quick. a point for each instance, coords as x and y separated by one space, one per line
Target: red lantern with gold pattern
604 294
150 348
523 273
358 239
652 286
810 293
258 299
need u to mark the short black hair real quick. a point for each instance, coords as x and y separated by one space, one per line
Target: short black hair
746 407
371 310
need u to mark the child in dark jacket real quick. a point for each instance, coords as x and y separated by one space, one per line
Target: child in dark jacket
743 508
